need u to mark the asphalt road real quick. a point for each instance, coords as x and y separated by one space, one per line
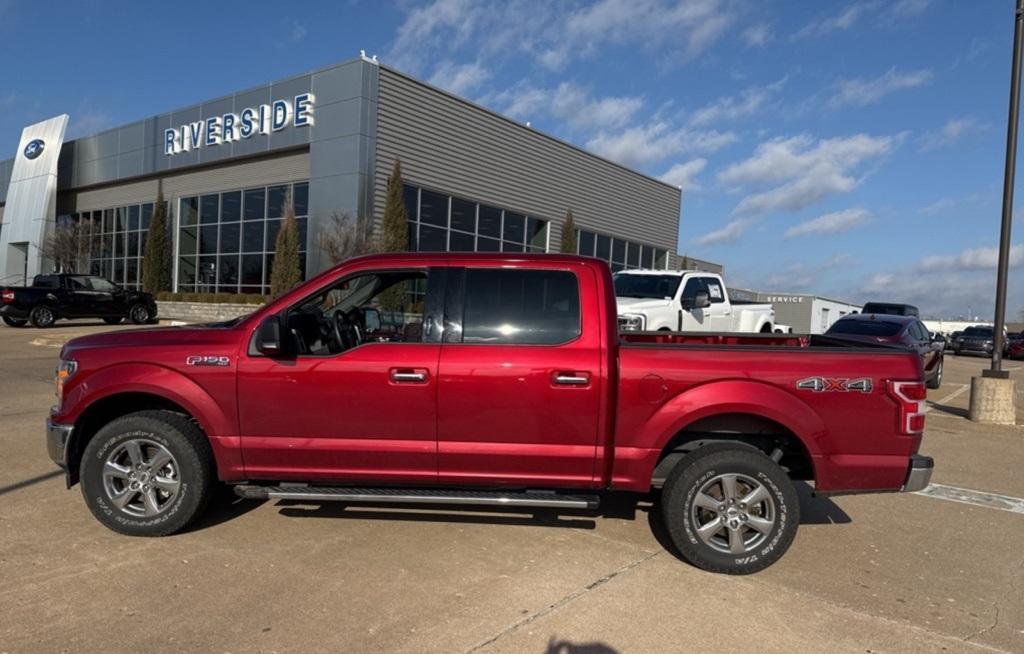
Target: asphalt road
874 573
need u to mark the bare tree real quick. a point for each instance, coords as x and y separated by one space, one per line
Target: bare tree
345 237
68 245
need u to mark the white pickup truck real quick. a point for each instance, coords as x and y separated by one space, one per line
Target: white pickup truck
685 301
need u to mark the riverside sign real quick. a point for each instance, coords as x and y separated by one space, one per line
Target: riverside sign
229 127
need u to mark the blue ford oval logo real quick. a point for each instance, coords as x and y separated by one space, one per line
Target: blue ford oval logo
34 148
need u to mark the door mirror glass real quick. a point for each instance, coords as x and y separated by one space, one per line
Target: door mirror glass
269 337
699 300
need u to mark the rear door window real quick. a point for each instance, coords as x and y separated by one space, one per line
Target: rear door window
523 307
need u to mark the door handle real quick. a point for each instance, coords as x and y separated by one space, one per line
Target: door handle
572 378
408 376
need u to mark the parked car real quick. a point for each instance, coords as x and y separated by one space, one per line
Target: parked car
519 392
684 300
907 331
979 339
1016 347
53 297
891 309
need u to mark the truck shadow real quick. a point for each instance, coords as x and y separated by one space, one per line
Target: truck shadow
569 647
951 410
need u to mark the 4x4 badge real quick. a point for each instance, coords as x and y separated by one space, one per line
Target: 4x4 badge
829 384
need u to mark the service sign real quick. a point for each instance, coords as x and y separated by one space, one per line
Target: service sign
263 119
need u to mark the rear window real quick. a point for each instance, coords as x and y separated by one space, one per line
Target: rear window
865 328
538 307
46 281
985 332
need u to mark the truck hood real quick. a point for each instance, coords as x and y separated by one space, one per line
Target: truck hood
158 336
641 305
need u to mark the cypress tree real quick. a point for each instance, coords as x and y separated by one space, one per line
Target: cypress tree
156 264
286 272
394 235
568 234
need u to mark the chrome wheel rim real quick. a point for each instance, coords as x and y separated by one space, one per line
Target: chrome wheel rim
140 314
44 316
733 513
140 477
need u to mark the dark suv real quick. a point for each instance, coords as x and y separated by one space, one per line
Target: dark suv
890 309
978 340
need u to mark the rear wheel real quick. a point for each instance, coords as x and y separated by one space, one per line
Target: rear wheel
936 380
147 473
14 322
42 316
730 510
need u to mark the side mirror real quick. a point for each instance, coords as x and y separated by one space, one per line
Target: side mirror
269 340
699 301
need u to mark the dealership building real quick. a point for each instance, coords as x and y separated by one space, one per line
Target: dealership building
326 140
806 314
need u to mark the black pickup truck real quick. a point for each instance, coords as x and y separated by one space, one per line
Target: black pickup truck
51 297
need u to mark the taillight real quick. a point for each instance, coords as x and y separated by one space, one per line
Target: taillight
910 396
7 296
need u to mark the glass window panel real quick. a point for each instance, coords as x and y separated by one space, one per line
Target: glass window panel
118 271
301 193
207 274
604 247
484 244
490 221
108 245
585 242
186 273
252 269
227 270
230 206
187 240
511 247
463 215
413 237
521 306
410 195
460 242
133 244
108 220
619 251
147 215
276 197
515 227
536 232
118 245
119 219
208 205
268 266
142 243
661 259
132 271
255 201
96 267
433 209
189 211
133 217
432 239
252 236
97 217
648 257
633 255
301 224
208 239
229 237
273 227
616 267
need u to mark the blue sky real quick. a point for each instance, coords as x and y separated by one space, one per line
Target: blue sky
851 149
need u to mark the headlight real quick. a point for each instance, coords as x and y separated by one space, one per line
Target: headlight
65 370
632 322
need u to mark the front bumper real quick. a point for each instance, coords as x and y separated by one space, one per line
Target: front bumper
919 473
57 439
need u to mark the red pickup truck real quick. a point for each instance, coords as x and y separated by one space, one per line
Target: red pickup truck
508 384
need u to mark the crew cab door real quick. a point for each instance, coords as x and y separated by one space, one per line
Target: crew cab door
520 378
359 410
108 299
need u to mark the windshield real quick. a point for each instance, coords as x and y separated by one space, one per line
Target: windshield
978 331
659 287
865 328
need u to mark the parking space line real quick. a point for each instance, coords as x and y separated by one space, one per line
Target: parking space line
957 393
974 498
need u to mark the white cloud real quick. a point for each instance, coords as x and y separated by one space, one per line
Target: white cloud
298 32
731 232
459 78
757 36
950 133
971 259
844 20
938 206
568 102
655 142
809 171
862 92
905 9
831 223
683 174
746 103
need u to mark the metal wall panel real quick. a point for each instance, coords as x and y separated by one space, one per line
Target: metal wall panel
454 146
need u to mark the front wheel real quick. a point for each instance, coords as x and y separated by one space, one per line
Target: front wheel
147 473
733 511
139 314
14 322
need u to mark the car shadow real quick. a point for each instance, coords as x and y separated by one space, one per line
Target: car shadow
951 410
569 647
224 506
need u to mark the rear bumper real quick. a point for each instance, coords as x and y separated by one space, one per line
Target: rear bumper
919 473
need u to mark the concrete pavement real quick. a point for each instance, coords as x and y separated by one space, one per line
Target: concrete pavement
897 573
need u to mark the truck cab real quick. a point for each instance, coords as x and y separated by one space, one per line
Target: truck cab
685 301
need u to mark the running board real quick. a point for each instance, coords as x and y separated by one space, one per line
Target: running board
533 499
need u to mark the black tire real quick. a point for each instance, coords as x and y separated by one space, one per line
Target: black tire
113 320
682 510
139 314
42 315
192 470
936 379
14 322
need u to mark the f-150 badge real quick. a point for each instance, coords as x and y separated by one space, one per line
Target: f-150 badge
207 361
832 385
